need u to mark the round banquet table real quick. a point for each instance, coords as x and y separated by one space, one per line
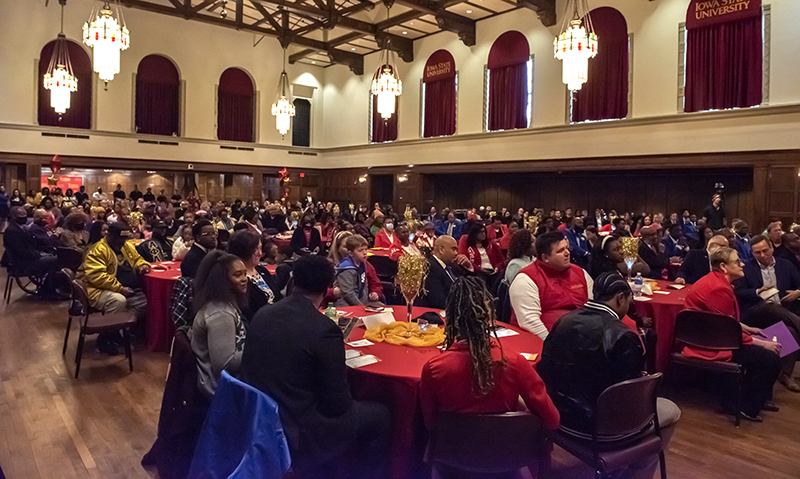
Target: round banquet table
158 285
663 308
394 381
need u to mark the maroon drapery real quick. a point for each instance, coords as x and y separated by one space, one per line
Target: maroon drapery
724 65
383 130
604 96
508 97
440 108
157 97
235 106
79 114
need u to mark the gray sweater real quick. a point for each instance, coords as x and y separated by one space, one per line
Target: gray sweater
218 335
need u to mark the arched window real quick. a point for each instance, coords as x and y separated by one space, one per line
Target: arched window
235 106
158 87
79 114
723 56
509 83
382 130
439 95
605 95
301 123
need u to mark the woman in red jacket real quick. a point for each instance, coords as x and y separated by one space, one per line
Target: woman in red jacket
473 375
485 255
386 237
759 357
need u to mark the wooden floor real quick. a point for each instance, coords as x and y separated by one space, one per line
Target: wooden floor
53 426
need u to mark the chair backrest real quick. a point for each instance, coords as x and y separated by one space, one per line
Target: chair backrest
627 407
71 258
80 299
384 266
503 302
242 435
707 330
487 442
392 293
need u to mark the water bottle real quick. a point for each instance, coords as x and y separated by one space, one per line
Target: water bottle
330 312
638 284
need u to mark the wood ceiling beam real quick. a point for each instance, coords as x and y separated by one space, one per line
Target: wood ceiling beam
545 10
216 20
462 26
202 5
267 17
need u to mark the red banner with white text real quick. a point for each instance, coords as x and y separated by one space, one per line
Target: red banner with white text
702 13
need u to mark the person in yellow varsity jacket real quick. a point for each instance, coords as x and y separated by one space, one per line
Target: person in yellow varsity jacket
111 272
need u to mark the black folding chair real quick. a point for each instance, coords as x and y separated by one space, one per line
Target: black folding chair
713 332
626 428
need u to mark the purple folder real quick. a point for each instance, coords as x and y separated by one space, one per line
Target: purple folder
785 338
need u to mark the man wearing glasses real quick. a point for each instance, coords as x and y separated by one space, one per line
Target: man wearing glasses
205 239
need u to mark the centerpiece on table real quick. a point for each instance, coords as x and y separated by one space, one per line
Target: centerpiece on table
411 272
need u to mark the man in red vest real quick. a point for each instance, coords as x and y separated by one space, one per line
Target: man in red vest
549 287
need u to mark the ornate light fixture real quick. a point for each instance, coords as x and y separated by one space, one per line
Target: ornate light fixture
386 84
59 78
283 109
106 33
576 44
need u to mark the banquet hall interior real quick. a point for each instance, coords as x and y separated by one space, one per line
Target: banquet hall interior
502 172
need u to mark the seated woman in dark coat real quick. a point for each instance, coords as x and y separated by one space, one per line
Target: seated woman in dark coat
262 288
607 256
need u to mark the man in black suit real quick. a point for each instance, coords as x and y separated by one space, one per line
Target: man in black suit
205 239
791 251
295 354
444 266
767 294
653 253
697 264
20 247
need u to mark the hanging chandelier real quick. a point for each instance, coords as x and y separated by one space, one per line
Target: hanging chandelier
106 33
59 78
576 44
386 84
283 108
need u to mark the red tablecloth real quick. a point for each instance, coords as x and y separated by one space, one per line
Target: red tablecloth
394 381
282 239
663 308
158 284
378 252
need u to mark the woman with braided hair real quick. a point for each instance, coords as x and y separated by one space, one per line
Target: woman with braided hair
473 375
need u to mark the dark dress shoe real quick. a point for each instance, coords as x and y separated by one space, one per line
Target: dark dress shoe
770 406
748 417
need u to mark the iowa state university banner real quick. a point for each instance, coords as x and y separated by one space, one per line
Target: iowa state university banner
702 13
440 66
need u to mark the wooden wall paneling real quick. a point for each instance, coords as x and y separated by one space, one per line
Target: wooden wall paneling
782 191
504 197
760 197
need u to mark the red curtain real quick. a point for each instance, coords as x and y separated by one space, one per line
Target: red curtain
605 94
157 97
508 97
440 108
724 65
79 114
235 106
383 130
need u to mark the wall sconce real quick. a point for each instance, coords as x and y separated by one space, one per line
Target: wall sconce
108 171
362 179
402 178
151 172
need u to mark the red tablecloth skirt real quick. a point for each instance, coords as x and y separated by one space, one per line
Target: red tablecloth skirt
663 308
394 381
158 284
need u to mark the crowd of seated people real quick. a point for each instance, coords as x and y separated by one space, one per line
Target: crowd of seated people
563 272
